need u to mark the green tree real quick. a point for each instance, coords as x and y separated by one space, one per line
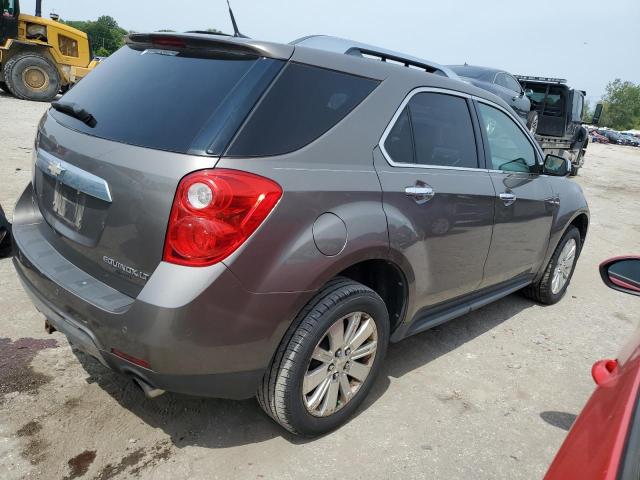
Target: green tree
105 34
587 111
621 105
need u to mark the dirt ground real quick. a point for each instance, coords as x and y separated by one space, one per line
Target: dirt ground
487 396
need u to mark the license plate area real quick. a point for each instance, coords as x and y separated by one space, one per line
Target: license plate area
68 205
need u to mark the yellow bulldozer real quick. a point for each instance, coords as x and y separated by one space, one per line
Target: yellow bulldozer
40 57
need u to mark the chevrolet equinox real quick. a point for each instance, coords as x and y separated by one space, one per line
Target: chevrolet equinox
227 217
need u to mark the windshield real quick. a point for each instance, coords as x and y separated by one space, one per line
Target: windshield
472 72
167 100
8 8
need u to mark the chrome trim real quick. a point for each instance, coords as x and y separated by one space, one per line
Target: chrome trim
397 114
421 194
73 176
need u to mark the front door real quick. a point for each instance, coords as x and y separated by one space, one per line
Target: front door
439 203
524 203
8 20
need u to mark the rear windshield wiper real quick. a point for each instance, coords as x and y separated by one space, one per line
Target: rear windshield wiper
74 110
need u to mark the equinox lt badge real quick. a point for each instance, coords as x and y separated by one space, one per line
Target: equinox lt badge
125 268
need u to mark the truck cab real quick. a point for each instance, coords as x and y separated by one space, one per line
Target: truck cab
560 131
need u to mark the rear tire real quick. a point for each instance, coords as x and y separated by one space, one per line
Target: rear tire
545 290
31 76
532 122
288 398
575 167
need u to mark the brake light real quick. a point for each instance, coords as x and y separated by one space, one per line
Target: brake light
214 212
168 41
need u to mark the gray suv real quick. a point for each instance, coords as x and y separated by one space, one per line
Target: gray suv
227 217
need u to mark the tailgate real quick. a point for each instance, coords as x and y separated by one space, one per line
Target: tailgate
108 202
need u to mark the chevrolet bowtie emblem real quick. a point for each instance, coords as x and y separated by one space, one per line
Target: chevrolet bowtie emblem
55 169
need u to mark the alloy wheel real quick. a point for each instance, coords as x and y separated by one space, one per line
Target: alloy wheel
340 364
564 266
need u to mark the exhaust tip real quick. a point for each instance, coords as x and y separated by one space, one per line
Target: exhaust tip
148 390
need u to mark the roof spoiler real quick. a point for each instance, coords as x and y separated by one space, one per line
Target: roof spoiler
209 44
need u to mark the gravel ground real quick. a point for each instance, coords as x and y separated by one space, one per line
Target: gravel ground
489 395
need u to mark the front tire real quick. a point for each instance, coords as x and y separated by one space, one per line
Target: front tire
328 360
557 276
32 76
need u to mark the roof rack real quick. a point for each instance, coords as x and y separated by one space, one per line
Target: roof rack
357 49
526 78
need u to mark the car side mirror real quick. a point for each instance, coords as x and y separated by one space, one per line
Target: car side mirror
556 166
622 274
528 92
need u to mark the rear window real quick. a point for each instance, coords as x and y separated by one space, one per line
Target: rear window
550 102
303 103
168 100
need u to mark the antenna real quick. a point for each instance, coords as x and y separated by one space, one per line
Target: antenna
236 32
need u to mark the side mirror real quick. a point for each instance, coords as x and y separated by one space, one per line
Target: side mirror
622 274
528 92
556 166
597 113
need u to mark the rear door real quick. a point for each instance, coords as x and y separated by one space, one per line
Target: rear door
438 200
524 202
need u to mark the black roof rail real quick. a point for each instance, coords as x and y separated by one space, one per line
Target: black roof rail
529 78
357 49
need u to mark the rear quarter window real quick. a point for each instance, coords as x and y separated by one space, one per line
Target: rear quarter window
302 104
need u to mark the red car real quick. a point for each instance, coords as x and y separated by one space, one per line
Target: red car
604 442
597 138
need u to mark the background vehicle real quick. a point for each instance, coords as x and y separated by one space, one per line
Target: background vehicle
630 140
597 138
604 442
612 136
559 108
504 85
155 215
39 57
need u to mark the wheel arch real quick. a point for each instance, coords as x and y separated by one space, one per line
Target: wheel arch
580 220
387 279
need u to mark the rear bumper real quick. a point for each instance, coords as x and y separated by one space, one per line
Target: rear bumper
200 331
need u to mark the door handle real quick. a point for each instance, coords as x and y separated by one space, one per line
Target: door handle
553 200
420 193
508 198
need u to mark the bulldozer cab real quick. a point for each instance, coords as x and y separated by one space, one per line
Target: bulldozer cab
9 11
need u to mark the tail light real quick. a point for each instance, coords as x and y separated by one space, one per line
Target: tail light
214 212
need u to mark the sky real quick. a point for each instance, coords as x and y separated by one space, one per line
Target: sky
588 42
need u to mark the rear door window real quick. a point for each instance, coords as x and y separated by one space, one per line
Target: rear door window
166 99
304 103
442 132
